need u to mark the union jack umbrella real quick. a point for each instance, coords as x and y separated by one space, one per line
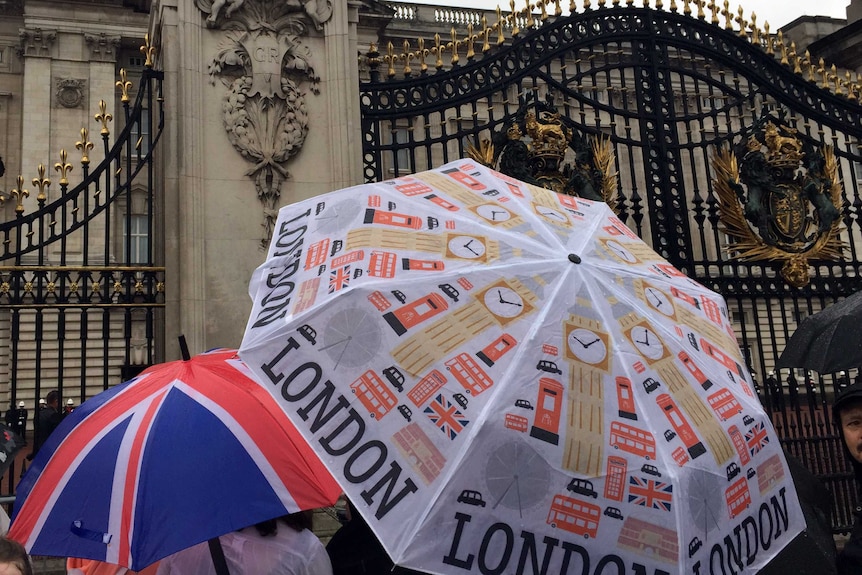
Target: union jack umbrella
508 380
185 452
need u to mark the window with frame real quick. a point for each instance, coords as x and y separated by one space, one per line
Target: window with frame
136 238
142 133
399 136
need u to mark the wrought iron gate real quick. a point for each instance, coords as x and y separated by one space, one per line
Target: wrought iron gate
81 284
668 90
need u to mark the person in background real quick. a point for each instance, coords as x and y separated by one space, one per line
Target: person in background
47 420
283 546
76 566
13 558
847 411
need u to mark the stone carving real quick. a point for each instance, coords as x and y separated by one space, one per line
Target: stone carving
264 65
69 92
36 42
103 48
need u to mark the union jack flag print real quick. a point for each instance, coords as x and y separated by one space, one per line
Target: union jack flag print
339 279
756 437
650 493
446 416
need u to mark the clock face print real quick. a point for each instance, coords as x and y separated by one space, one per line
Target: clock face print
517 476
647 342
467 247
503 301
658 300
621 252
351 337
552 214
494 213
586 345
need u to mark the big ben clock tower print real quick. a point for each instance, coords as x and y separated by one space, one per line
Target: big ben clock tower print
587 351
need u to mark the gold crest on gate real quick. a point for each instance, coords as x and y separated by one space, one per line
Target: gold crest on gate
779 199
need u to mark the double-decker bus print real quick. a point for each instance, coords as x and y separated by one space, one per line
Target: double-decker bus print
415 312
768 473
615 478
373 394
739 444
692 368
682 427
426 387
373 216
516 422
632 440
724 404
549 406
468 373
465 179
721 357
625 400
738 497
574 516
382 264
495 350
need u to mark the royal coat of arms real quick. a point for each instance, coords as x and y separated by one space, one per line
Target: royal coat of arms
780 199
539 146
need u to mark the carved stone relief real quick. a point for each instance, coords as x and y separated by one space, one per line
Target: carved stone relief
103 48
36 42
69 93
266 69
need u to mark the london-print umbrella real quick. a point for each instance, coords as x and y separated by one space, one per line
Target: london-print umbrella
508 380
187 451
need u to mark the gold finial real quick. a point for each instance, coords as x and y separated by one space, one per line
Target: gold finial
586 5
499 25
104 117
123 85
742 22
848 81
407 56
701 15
783 48
41 182
85 145
514 16
601 3
766 35
529 12
755 31
686 8
794 55
423 67
390 58
558 9
630 2
470 39
713 8
836 80
148 51
728 16
438 51
486 32
824 73
19 193
573 6
659 5
543 11
63 167
454 44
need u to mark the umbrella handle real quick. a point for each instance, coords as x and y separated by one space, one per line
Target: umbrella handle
219 561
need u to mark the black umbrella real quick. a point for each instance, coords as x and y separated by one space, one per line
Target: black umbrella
828 341
10 444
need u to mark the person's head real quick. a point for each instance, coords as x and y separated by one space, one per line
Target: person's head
13 558
53 399
847 411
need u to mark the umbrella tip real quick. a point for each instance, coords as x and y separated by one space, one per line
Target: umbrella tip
575 258
184 348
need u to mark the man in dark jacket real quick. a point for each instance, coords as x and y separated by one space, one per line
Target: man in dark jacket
847 411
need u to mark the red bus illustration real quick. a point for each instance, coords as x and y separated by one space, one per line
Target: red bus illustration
347 258
549 406
316 253
689 364
410 187
373 201
446 205
768 473
724 404
307 294
739 444
738 497
632 440
469 374
685 297
680 425
465 179
516 422
382 264
649 539
575 516
711 309
465 283
721 357
421 265
379 301
420 451
680 456
625 400
415 312
426 387
495 350
615 478
373 394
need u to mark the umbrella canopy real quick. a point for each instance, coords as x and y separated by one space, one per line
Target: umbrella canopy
504 379
10 444
827 341
185 452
